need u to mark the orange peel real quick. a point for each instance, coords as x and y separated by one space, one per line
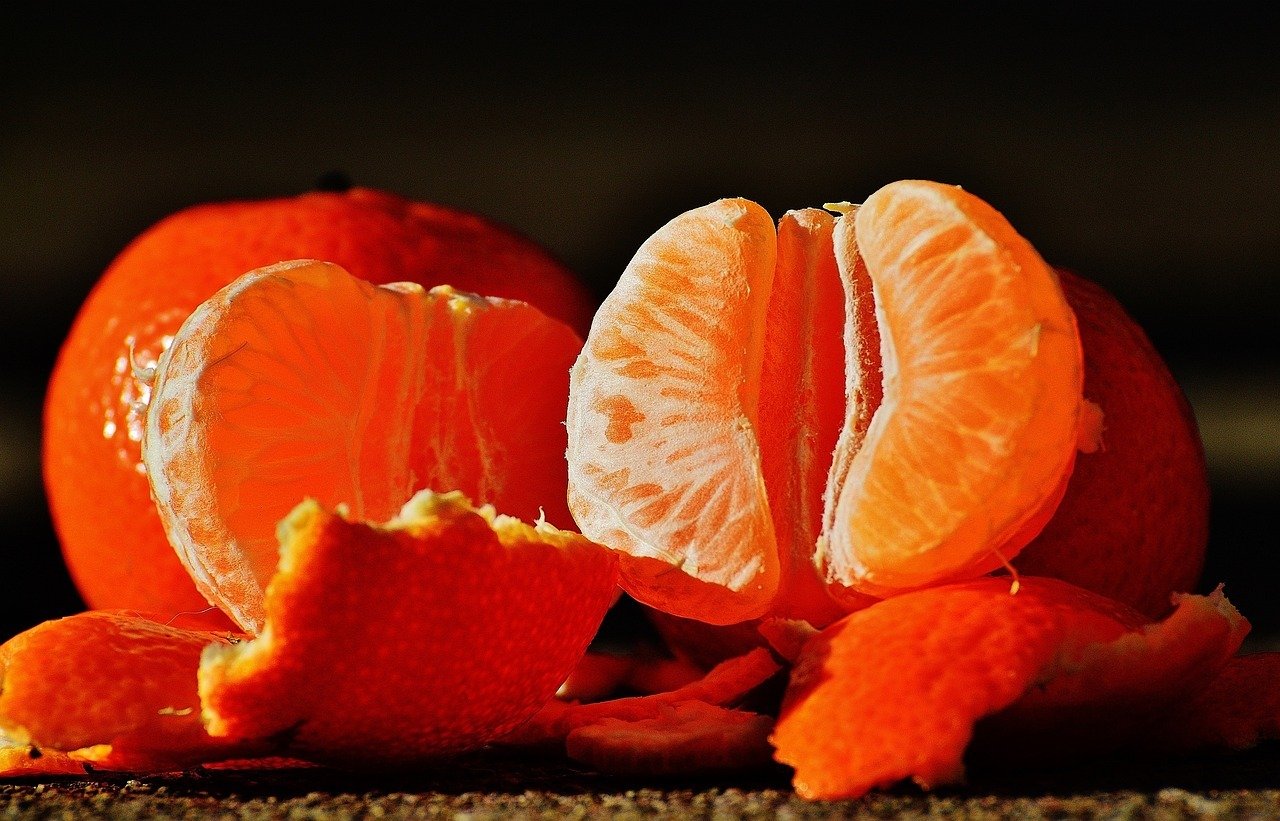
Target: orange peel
108 688
432 634
894 691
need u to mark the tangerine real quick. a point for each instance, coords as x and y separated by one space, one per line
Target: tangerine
709 438
301 381
95 408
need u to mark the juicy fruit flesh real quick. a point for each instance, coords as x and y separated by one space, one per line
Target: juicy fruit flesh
301 381
982 387
663 407
96 408
962 370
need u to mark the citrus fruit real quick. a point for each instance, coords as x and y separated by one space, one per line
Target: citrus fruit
109 688
95 407
385 645
299 380
1134 522
709 394
893 691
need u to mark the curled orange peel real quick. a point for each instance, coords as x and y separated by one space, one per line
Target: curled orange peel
893 692
110 689
386 645
724 684
678 739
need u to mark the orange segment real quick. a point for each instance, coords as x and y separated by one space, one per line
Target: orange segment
893 691
802 400
387 645
664 460
299 381
114 688
967 454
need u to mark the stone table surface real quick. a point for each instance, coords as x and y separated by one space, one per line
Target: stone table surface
498 786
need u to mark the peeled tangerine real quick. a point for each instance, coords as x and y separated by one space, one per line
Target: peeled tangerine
301 381
384 646
736 421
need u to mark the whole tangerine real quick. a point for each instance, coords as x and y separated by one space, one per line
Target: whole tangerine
95 407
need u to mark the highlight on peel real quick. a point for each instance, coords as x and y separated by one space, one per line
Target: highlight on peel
108 688
894 691
386 645
301 381
704 409
969 450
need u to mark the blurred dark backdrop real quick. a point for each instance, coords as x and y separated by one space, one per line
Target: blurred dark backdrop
1140 146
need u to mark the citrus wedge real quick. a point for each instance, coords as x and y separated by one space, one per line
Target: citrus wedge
300 381
969 451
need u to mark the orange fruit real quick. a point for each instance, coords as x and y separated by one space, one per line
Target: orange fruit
708 396
386 645
1134 522
299 380
893 691
95 407
109 688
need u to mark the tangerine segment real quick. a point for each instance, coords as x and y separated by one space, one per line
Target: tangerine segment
1135 519
802 400
664 459
115 686
894 691
683 738
434 633
976 432
301 381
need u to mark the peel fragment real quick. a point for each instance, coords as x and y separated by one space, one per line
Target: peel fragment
894 691
389 645
112 689
724 684
681 738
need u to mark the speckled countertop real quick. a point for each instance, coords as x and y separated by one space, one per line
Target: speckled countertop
495 786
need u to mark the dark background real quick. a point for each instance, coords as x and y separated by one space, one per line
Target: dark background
1138 146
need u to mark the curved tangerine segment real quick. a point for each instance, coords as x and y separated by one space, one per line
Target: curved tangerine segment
802 401
893 691
110 688
301 381
388 645
664 460
970 448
